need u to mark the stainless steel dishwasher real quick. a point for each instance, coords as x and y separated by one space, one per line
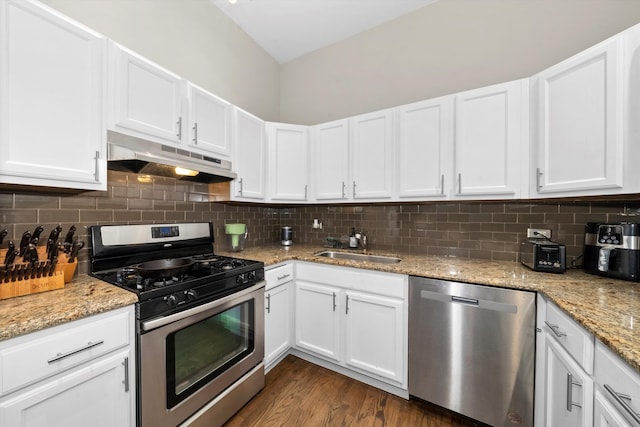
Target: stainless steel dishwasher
472 349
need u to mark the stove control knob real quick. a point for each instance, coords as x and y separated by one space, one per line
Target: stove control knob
240 278
251 275
191 294
171 300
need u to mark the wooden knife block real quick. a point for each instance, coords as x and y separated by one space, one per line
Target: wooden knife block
63 274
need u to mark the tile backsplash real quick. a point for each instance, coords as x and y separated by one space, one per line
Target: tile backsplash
489 230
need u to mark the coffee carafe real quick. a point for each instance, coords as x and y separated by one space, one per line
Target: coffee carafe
612 250
286 236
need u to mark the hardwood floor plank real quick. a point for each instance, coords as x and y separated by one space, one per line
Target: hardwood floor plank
299 393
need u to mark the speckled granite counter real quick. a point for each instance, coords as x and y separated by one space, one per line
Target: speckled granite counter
82 297
607 308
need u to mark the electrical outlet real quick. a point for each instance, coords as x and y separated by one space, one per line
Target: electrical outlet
537 233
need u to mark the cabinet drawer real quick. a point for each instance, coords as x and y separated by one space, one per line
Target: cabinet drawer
576 340
278 275
32 357
389 284
614 375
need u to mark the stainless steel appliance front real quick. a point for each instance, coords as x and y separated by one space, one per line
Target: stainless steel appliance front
472 349
190 357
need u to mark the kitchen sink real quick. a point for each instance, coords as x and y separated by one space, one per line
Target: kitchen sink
360 257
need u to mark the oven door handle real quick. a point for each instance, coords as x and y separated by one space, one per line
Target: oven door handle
165 320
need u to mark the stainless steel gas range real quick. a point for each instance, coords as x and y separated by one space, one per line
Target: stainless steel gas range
200 320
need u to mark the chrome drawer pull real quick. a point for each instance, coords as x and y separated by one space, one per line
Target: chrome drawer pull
556 329
570 384
61 356
284 276
623 400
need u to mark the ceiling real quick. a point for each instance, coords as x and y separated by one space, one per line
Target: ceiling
287 29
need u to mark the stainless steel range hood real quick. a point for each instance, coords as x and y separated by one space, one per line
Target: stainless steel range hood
129 154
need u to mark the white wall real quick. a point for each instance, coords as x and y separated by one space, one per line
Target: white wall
445 47
192 38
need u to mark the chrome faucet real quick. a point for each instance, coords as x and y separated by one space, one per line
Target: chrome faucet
362 240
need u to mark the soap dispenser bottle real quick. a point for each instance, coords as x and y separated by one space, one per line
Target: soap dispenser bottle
353 243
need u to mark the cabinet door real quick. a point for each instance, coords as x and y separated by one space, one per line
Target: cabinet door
287 162
569 399
425 131
375 340
577 131
52 104
371 155
147 98
209 118
278 322
317 319
249 156
491 130
605 414
330 160
96 394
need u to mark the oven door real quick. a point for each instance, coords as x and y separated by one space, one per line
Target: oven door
188 358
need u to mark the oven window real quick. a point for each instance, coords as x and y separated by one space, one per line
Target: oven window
204 350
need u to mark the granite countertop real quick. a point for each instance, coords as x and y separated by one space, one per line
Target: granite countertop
607 308
82 297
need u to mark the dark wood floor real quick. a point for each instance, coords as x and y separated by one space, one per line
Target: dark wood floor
299 393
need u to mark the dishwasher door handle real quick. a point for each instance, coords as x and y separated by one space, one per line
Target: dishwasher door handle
470 302
464 300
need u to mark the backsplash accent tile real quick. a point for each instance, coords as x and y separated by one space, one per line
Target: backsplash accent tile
485 230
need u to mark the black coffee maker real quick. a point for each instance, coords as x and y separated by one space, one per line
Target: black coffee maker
612 250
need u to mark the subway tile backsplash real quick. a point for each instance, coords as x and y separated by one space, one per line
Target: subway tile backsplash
488 230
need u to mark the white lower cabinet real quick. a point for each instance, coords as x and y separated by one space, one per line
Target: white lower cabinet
278 316
356 319
77 374
569 389
617 400
374 334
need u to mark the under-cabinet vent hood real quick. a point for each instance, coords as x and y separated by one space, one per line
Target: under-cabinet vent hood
129 154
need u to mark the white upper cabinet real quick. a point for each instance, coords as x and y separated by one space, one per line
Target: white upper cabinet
288 170
329 161
425 136
249 160
147 100
152 103
585 128
371 151
52 99
491 141
209 118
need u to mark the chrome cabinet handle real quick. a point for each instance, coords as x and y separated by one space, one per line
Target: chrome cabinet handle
334 301
442 185
97 166
268 303
305 191
354 189
179 123
346 310
459 183
623 400
556 329
538 179
241 186
61 356
195 132
125 363
284 276
344 186
570 384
